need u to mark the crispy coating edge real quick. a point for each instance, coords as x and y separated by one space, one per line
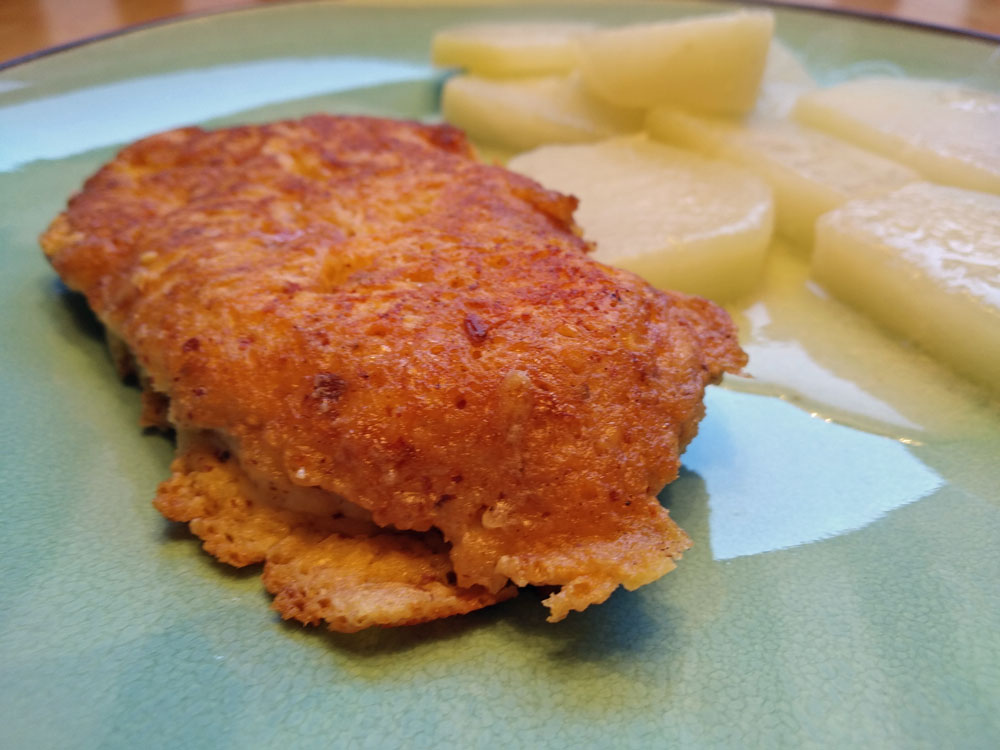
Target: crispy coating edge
345 572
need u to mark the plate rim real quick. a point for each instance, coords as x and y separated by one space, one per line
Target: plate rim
870 16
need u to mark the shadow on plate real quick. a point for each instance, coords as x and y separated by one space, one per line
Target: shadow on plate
379 642
176 535
80 319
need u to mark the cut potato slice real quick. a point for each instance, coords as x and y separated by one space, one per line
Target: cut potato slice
679 220
785 79
810 172
711 64
524 113
949 133
509 49
925 262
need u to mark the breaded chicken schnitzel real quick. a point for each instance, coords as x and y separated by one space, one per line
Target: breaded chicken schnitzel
396 376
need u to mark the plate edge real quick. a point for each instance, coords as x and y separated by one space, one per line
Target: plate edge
5 65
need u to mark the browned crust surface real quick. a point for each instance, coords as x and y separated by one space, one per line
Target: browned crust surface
345 571
357 305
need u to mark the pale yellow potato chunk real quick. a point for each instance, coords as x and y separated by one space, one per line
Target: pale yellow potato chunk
520 114
509 49
810 172
681 221
710 64
785 79
947 132
925 262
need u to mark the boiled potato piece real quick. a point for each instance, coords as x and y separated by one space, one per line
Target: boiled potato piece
810 172
711 64
681 221
785 80
707 135
947 132
925 262
509 49
519 114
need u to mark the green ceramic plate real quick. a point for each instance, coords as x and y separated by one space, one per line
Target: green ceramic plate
845 505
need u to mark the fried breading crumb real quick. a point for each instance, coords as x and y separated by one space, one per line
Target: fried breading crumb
344 571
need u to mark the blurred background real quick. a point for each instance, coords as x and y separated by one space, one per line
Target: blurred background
30 25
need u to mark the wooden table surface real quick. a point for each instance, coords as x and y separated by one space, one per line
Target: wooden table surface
30 25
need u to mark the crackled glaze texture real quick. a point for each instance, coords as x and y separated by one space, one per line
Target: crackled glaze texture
841 590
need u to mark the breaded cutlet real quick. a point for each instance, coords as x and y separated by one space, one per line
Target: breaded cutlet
424 388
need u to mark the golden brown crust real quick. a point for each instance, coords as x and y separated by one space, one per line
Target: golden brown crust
344 571
353 583
207 490
358 305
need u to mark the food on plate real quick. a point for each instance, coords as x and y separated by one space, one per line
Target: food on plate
338 567
925 262
946 131
509 49
396 376
785 79
721 86
679 220
524 113
810 172
709 63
